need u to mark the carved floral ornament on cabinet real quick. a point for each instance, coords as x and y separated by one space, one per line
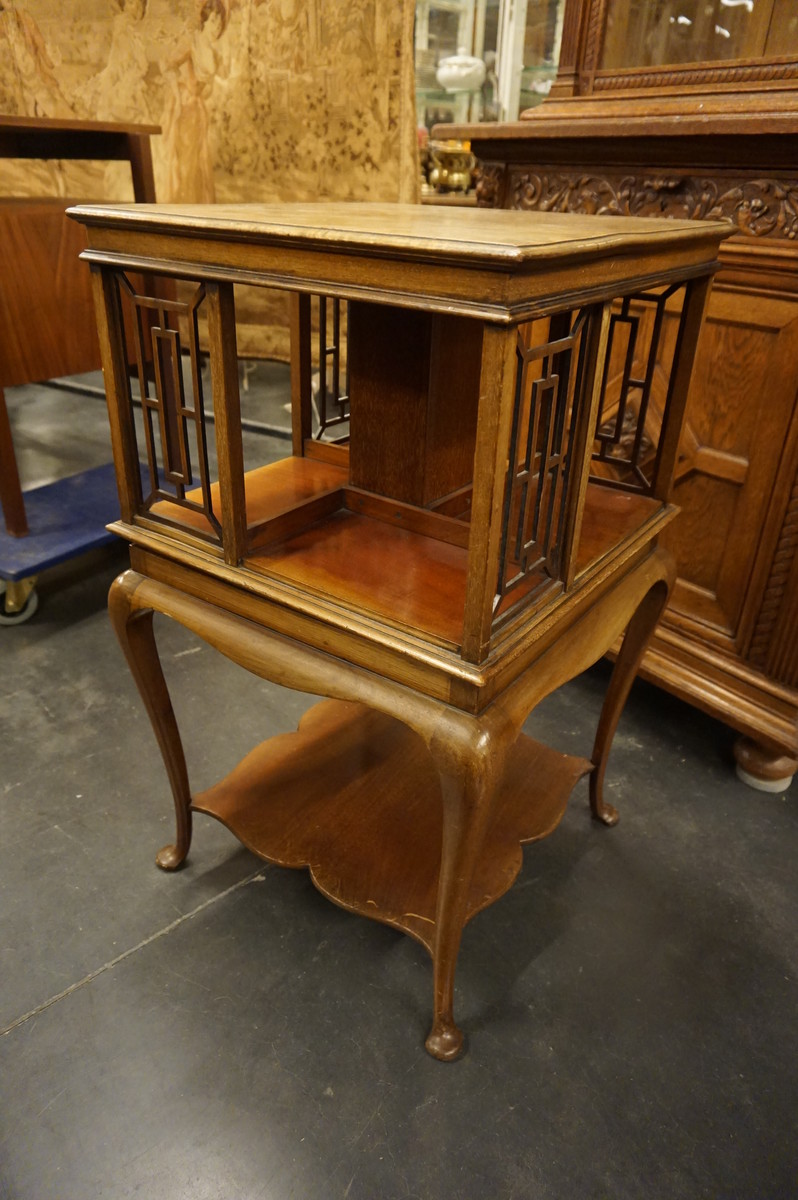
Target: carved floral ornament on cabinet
759 207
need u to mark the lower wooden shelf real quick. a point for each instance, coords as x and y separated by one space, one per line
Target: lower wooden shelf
354 796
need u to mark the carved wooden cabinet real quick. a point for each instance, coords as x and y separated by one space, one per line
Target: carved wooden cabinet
700 139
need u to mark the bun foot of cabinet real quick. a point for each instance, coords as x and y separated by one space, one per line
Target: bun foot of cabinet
763 769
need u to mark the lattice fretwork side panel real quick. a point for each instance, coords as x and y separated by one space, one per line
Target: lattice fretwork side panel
330 369
172 437
549 396
644 335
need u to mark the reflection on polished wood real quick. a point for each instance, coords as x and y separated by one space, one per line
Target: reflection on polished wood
436 575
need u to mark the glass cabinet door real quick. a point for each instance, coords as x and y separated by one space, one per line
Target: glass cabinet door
517 41
648 33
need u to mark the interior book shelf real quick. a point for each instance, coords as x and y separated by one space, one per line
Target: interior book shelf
468 518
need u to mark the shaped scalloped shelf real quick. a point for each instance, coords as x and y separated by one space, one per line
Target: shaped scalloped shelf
354 796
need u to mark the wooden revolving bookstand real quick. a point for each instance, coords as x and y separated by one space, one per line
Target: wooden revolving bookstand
484 533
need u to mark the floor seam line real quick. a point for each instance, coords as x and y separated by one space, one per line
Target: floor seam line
153 937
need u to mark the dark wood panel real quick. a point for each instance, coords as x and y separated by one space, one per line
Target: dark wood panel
47 325
451 427
414 393
388 355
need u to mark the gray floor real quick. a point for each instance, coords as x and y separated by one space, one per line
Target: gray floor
226 1032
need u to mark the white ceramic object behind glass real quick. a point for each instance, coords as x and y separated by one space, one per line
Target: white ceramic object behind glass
461 73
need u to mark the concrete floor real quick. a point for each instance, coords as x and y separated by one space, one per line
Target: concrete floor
225 1032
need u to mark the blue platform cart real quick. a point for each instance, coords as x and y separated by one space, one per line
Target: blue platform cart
65 519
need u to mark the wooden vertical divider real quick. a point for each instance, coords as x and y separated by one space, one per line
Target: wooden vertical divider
414 387
117 392
388 356
227 411
301 410
597 334
695 300
11 500
497 387
140 155
452 403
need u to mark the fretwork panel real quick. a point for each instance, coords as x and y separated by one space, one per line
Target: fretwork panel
549 391
644 336
173 414
331 372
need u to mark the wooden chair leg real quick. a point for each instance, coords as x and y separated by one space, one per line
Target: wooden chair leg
133 628
469 780
633 647
11 500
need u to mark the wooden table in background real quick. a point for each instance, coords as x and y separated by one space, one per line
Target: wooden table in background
47 326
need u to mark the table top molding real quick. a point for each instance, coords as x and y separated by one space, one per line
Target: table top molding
492 265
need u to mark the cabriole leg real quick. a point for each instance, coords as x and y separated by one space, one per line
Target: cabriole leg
133 628
633 647
469 775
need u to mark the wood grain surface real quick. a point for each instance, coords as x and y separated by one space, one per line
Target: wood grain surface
307 799
414 230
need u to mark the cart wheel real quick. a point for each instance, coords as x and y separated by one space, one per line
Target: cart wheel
24 614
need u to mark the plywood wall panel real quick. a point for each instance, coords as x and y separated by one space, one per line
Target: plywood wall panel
257 99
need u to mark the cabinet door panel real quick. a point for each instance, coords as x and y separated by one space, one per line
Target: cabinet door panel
739 413
699 539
